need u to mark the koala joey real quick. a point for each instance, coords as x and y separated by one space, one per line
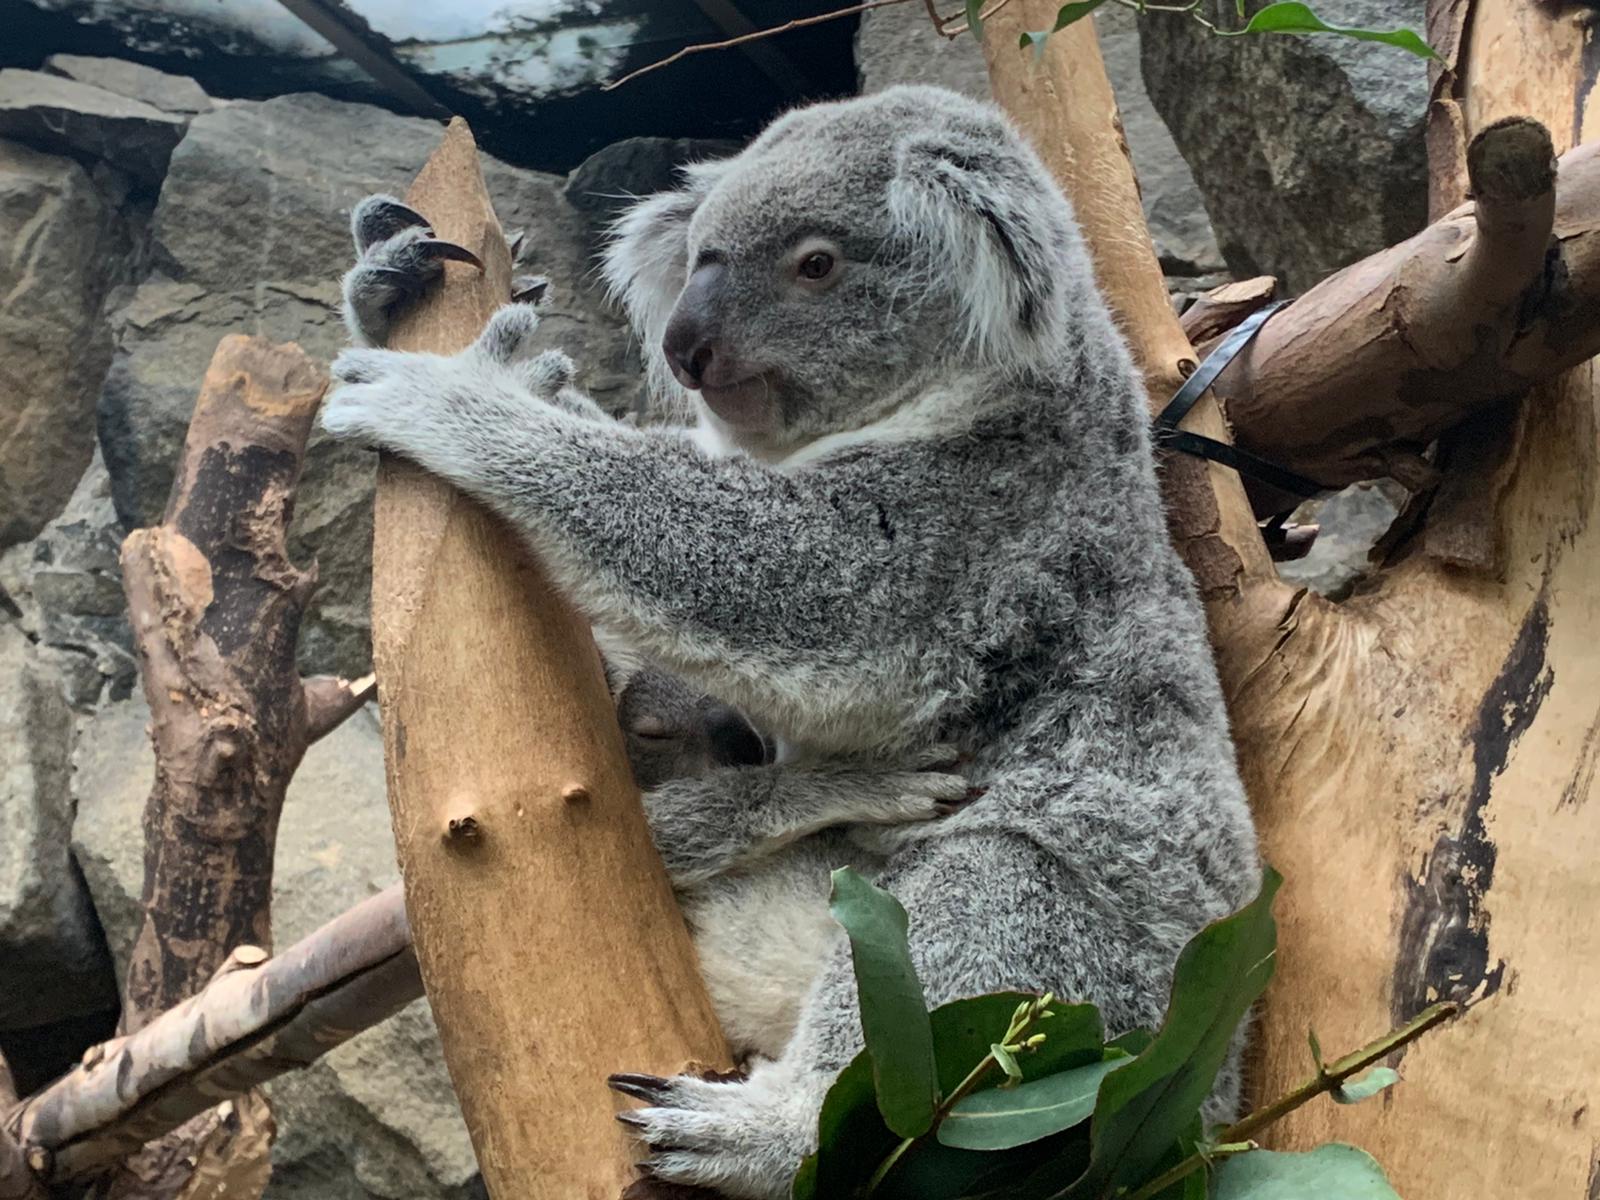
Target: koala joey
917 509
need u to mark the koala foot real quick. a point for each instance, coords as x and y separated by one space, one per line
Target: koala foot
745 1139
399 258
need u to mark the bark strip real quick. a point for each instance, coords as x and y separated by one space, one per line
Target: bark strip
549 941
256 1020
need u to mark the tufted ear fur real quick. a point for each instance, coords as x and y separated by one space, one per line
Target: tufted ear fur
646 262
988 219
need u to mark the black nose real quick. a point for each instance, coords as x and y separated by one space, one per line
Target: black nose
734 741
689 342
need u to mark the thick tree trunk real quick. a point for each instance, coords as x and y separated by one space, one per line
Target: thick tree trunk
549 941
1423 758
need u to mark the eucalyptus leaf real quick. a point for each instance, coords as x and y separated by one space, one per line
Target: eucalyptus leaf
1332 1172
1354 1091
851 1137
1001 1118
894 1015
1146 1108
1007 1062
1291 16
1066 15
964 1030
975 17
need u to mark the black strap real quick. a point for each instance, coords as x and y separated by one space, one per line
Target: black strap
1170 437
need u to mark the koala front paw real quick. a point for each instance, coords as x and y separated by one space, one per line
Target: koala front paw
398 259
744 1139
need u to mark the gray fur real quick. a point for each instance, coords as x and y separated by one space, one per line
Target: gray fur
928 516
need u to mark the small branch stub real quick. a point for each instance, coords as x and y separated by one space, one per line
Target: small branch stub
575 793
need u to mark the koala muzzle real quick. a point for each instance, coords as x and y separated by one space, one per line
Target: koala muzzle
693 351
734 741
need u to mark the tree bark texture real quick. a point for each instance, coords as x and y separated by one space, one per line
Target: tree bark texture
216 605
255 1020
1423 757
551 947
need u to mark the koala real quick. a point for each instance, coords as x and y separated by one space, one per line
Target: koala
916 509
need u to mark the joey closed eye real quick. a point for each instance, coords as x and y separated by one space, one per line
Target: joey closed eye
649 725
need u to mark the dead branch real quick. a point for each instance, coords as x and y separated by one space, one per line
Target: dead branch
1220 309
258 1019
17 1179
1374 363
216 605
330 701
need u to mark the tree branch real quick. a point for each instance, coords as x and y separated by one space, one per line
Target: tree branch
330 701
1378 360
256 1020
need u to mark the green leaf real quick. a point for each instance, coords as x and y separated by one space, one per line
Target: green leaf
1007 1062
1067 14
1316 1051
975 18
894 1015
1290 16
1134 1042
1145 1108
851 1137
1001 1118
1354 1091
963 1031
1332 1172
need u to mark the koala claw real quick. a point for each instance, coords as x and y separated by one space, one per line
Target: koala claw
649 1088
378 218
530 289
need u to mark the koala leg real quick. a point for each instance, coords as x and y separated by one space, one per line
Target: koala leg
989 912
732 816
399 259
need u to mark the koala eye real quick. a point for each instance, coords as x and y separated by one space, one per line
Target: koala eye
817 265
650 727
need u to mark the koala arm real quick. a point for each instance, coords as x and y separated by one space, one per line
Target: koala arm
783 594
732 816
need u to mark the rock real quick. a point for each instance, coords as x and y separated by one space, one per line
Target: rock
608 180
53 959
66 586
251 232
1308 150
1349 526
54 348
56 113
169 93
376 1118
897 45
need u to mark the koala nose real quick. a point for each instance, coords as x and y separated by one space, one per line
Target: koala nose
734 741
689 344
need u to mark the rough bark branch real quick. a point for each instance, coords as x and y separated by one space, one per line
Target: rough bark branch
330 701
257 1019
1361 373
549 940
216 605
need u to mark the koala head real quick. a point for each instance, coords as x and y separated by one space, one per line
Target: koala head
673 731
848 258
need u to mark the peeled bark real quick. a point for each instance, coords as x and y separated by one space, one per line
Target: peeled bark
256 1020
551 947
1422 759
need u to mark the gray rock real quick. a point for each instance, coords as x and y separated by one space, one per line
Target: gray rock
53 959
62 114
54 348
1350 523
251 233
376 1118
1308 150
66 587
169 93
896 45
609 179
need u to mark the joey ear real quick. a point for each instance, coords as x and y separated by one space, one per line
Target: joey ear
983 210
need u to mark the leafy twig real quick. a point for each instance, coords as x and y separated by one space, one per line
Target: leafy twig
1028 1013
1236 1138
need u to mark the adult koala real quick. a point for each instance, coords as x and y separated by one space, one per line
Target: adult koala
918 509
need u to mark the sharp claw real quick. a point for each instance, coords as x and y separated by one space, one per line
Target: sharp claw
378 218
439 248
529 289
514 243
632 1120
650 1088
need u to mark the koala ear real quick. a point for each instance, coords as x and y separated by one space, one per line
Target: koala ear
984 216
646 262
620 660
